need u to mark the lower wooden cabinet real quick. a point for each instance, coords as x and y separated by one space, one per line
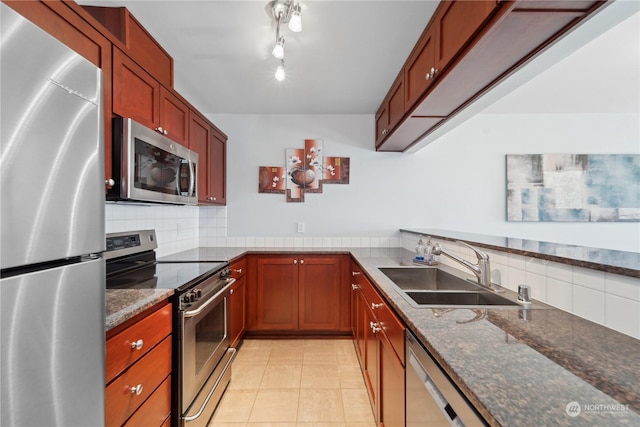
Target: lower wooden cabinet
138 370
379 341
298 293
237 301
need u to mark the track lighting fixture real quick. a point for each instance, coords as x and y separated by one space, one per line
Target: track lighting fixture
284 11
280 71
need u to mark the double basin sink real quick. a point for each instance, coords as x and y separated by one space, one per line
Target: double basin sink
434 287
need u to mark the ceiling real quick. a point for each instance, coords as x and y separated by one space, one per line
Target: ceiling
343 62
348 54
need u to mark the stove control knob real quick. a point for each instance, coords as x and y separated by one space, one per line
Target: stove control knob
185 299
192 296
198 293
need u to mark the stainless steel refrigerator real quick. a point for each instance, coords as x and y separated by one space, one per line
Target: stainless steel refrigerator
52 273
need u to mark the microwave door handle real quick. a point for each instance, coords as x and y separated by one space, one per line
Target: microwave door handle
192 179
178 188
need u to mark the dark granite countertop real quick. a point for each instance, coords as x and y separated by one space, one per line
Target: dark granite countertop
611 261
123 304
514 371
525 372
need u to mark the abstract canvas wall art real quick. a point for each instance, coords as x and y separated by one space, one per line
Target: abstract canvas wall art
573 187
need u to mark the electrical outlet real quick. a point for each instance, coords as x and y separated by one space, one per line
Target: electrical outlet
301 227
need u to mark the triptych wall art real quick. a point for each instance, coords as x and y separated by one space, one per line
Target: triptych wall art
573 187
306 171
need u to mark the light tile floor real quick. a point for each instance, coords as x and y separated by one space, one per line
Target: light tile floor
295 382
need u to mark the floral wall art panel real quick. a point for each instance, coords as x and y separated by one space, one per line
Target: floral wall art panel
272 179
573 187
306 171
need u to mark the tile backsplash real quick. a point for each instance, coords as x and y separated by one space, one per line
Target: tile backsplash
609 299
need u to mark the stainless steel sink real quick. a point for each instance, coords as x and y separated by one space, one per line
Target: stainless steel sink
459 299
427 287
427 279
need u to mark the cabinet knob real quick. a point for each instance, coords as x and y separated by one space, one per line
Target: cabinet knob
109 182
159 129
295 261
137 345
385 131
231 292
375 328
212 199
355 273
301 261
137 390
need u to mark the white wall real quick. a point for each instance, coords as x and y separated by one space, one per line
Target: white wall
457 182
374 203
468 167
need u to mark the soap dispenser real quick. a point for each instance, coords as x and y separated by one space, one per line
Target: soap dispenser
420 250
428 256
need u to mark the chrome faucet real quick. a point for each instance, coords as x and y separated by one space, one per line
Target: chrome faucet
482 270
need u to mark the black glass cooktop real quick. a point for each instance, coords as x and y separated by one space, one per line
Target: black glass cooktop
179 275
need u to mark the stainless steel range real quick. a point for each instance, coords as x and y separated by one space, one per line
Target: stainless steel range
202 356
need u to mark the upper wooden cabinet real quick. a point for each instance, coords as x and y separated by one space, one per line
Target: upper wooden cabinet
391 110
137 95
137 43
467 48
210 144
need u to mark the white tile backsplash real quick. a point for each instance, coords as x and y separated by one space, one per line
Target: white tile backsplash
622 314
589 303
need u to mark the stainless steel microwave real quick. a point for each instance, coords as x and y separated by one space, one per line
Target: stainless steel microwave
149 167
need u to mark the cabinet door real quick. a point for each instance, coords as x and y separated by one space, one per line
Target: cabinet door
218 168
174 117
392 391
456 22
382 123
136 94
418 70
237 307
319 287
370 369
277 293
200 142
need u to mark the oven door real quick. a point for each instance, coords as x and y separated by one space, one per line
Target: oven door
205 343
153 168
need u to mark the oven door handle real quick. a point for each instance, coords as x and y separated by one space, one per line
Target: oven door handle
203 307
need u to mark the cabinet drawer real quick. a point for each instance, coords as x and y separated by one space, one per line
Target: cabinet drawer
393 329
149 372
156 409
121 350
238 268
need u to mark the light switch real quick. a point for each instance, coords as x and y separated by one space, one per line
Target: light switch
301 227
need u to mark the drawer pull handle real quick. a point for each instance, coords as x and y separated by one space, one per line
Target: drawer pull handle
355 273
238 270
374 305
355 287
137 390
137 345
